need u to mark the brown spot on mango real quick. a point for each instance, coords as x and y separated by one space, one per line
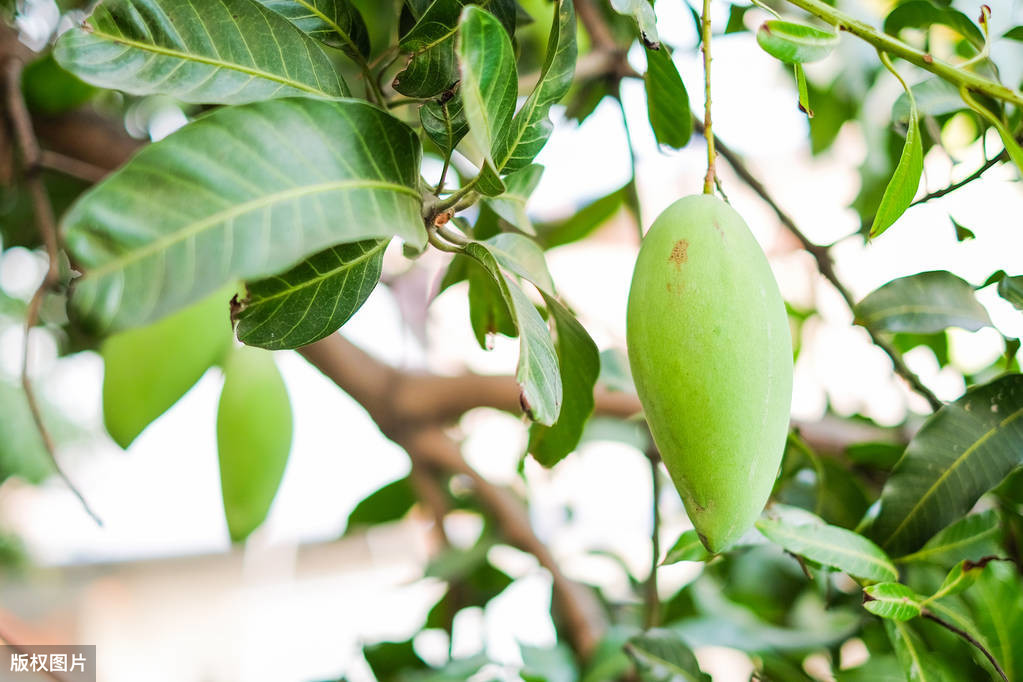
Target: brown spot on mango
679 253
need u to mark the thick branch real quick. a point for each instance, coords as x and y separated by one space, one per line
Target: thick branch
394 399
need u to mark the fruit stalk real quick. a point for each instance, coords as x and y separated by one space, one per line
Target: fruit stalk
708 134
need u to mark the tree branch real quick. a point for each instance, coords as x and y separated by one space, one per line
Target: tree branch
392 399
24 137
969 638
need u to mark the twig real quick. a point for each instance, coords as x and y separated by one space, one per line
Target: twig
924 60
600 32
85 172
975 175
825 266
705 37
21 123
969 638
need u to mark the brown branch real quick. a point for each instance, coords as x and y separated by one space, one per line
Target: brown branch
56 161
392 398
596 27
21 125
975 175
969 638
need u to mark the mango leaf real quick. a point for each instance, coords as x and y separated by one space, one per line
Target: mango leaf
170 47
901 189
313 299
918 664
553 664
431 68
963 450
253 438
667 101
803 90
146 370
522 256
334 22
961 577
922 14
892 600
972 537
579 364
934 97
643 12
996 603
488 311
512 204
831 546
444 122
924 303
582 222
538 372
663 656
532 125
242 193
388 503
795 43
1011 289
489 84
687 548
22 452
878 668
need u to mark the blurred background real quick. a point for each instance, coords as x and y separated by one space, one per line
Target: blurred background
165 596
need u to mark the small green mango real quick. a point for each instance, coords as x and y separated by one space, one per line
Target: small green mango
711 355
254 428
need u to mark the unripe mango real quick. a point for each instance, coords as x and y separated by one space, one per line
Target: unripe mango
711 355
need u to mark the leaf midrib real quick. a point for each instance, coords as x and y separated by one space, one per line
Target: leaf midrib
334 26
881 563
344 265
264 201
189 56
952 467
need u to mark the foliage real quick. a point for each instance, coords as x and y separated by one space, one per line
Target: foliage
302 161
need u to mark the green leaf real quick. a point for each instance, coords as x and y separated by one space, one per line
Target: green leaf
431 43
687 548
489 84
392 661
964 449
146 370
22 452
667 101
532 125
795 43
387 504
972 537
963 233
579 364
901 189
1011 289
643 12
488 311
522 256
253 438
554 664
242 193
917 663
878 668
171 47
922 14
831 546
1014 33
894 601
538 372
933 96
961 577
512 204
803 90
334 22
313 299
924 303
583 222
51 90
444 122
663 656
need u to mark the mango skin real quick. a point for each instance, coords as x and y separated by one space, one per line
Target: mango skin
711 355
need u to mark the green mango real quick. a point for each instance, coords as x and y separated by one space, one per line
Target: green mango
147 369
254 428
711 355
